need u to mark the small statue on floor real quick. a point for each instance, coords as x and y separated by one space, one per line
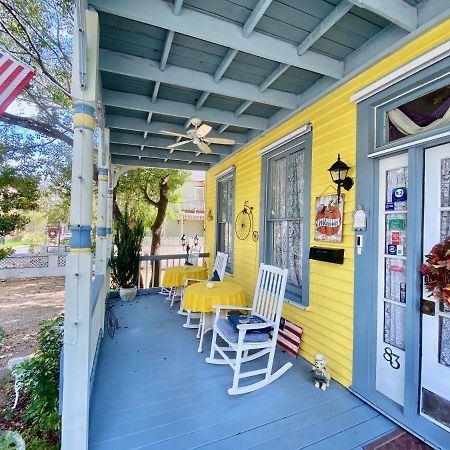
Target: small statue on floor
321 376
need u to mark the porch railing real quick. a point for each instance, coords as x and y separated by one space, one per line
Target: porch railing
151 277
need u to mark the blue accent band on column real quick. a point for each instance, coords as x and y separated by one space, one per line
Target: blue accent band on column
103 171
109 230
81 236
110 191
85 108
102 231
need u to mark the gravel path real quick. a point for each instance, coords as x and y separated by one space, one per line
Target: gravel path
23 305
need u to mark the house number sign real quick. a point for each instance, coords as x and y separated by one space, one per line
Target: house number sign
391 358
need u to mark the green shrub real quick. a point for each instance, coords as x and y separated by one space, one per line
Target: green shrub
40 380
2 334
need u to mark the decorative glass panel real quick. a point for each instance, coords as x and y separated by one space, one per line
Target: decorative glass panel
294 185
394 325
444 340
445 182
279 250
225 218
278 185
295 252
395 280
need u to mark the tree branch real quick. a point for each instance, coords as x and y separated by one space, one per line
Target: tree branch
148 198
36 125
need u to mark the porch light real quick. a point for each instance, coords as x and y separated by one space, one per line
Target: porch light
339 171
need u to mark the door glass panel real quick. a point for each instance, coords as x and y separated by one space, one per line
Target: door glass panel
444 341
396 234
395 180
395 280
445 182
394 325
445 224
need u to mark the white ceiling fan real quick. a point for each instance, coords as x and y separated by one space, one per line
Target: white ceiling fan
197 134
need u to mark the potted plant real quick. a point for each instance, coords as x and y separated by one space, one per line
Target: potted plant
125 256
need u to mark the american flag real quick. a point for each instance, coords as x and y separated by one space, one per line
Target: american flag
14 76
289 337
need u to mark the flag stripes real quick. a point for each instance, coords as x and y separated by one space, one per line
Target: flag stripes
14 76
289 337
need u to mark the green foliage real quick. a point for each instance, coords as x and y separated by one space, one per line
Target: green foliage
125 258
2 335
5 252
10 440
137 186
18 194
40 380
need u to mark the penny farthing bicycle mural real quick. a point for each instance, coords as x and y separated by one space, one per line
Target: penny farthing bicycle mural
244 224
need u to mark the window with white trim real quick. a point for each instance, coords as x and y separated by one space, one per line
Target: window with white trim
286 217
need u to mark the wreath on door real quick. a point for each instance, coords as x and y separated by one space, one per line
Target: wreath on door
436 271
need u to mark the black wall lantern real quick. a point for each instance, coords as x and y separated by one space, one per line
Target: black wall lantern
339 171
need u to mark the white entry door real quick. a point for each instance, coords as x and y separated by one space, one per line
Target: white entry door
435 380
392 267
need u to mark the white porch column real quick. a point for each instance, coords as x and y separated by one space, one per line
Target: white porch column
77 319
101 256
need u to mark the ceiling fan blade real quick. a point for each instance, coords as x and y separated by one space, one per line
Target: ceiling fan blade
223 141
171 133
203 147
203 130
178 144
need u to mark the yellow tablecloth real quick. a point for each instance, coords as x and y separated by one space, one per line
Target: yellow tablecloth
200 298
174 276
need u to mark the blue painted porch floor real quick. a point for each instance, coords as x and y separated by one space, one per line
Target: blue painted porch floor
153 390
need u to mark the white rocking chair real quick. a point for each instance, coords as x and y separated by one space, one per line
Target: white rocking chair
220 265
267 305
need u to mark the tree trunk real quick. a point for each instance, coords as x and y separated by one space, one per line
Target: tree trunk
157 226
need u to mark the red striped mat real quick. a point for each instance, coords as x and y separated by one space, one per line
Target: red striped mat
289 337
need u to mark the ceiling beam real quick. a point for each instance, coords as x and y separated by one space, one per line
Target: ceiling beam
133 150
396 11
147 69
255 17
273 76
161 142
136 124
222 32
225 63
171 108
241 108
157 163
166 50
177 4
202 99
338 12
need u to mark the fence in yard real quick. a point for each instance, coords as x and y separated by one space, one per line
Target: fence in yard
148 274
52 265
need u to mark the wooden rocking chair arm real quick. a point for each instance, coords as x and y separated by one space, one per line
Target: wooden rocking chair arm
188 280
231 307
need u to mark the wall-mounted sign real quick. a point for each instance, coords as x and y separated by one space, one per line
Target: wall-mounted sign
328 218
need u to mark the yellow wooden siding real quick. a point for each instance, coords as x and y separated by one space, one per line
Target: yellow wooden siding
328 321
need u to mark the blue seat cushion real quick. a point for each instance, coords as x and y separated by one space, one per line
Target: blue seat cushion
215 276
238 319
230 333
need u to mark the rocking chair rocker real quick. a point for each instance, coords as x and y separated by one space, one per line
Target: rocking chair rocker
267 305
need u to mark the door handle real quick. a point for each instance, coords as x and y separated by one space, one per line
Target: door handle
428 307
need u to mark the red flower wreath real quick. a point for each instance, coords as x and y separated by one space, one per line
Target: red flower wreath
436 271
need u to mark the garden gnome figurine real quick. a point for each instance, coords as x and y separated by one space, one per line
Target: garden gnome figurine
321 375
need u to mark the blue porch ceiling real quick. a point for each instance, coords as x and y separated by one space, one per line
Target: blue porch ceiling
239 65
